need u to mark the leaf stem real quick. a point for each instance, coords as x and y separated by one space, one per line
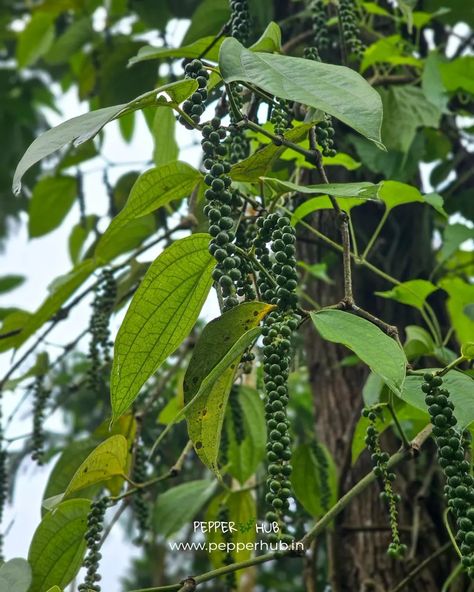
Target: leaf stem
376 233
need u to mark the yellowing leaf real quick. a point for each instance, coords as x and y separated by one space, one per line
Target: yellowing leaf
152 190
162 313
105 461
211 371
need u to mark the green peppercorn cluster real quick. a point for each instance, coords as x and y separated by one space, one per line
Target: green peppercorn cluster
100 344
40 397
237 414
278 287
381 470
95 523
350 28
323 474
221 203
244 236
459 489
194 106
281 116
224 516
237 142
139 503
319 24
240 20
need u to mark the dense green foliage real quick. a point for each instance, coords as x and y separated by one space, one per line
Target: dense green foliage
327 229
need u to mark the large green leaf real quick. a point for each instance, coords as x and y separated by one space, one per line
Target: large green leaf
405 109
84 127
413 293
162 313
307 482
78 33
107 460
36 39
211 371
339 91
179 505
245 457
460 386
60 290
58 545
381 353
15 576
153 189
52 199
458 74
324 203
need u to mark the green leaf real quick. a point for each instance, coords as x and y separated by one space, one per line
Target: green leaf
58 545
413 293
75 36
51 201
260 162
270 40
245 457
405 109
84 127
432 84
78 237
242 512
107 460
192 50
317 270
340 91
55 589
153 189
61 289
211 371
394 193
363 189
453 237
461 296
10 282
36 39
177 506
342 159
15 575
418 342
372 389
162 313
324 203
458 74
207 19
388 50
459 385
163 129
381 353
306 479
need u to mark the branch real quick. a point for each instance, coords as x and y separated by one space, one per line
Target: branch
421 566
317 529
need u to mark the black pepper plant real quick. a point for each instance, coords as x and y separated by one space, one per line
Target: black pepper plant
296 248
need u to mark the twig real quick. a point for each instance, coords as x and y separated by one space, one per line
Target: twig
420 567
315 531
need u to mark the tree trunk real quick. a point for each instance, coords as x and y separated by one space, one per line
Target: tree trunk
361 536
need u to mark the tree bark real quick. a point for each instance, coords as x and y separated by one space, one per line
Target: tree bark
361 536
